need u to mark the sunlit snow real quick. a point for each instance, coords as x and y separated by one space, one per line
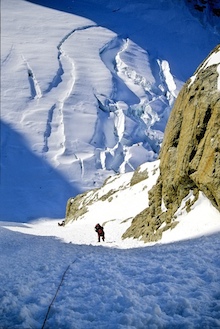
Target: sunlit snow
86 91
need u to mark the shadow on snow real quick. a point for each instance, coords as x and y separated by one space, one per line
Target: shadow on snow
38 189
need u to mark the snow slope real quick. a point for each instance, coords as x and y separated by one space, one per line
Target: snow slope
116 284
86 89
163 286
115 204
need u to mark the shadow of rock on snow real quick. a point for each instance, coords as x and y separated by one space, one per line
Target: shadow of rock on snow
29 187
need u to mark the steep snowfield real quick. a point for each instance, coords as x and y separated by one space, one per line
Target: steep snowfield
86 90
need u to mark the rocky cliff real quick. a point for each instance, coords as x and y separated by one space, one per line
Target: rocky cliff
190 154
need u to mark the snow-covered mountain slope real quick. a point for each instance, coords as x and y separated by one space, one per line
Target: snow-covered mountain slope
87 88
164 286
114 206
61 62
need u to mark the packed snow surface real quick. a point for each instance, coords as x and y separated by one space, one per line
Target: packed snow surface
82 283
86 91
172 285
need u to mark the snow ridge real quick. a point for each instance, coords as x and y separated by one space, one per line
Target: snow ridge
58 77
35 89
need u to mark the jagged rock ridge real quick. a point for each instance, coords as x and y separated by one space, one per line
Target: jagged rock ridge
190 154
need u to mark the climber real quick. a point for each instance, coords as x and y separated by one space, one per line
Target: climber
99 229
62 224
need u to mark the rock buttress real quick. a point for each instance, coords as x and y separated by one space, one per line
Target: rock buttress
189 157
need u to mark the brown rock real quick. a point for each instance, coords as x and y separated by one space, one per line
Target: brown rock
190 154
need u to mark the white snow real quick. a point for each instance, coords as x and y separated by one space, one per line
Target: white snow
115 204
86 91
213 59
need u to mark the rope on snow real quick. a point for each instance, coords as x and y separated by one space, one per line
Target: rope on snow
58 288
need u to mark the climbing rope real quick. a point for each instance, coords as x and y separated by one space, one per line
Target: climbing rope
56 293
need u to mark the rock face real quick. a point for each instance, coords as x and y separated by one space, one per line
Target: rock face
190 154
